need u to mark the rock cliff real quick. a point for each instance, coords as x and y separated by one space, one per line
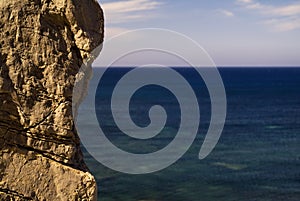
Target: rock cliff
43 43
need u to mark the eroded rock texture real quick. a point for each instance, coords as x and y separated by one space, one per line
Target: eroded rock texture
43 43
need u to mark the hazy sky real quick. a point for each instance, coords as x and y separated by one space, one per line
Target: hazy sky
233 32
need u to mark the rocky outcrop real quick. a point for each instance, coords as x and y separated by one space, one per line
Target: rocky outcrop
43 44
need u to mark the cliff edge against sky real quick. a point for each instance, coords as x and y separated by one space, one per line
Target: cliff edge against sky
43 44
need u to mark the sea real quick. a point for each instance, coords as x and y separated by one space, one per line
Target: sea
257 157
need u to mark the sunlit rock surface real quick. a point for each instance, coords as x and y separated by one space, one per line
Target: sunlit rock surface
43 44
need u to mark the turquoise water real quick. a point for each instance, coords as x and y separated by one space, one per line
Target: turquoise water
257 157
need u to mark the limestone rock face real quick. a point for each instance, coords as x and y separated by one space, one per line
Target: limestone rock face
43 44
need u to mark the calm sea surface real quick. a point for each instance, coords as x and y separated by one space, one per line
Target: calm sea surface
257 157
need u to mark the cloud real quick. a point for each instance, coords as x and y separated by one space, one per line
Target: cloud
280 18
284 24
289 10
227 13
130 5
129 10
114 31
244 1
255 6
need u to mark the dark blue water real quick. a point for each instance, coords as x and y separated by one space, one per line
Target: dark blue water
257 157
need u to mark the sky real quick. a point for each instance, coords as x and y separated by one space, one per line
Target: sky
233 32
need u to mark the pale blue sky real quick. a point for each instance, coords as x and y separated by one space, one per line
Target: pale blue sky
233 32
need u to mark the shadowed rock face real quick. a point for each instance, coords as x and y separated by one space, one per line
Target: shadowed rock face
43 44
